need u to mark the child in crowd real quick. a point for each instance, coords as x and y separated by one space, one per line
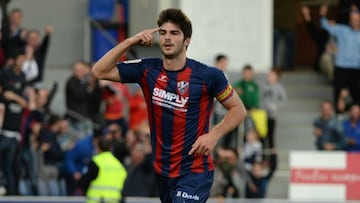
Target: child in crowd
273 96
260 176
247 88
252 149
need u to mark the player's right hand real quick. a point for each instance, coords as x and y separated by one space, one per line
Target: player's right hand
146 37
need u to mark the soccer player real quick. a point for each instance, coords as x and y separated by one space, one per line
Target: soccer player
179 93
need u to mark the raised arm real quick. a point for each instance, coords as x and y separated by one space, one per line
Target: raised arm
106 68
333 29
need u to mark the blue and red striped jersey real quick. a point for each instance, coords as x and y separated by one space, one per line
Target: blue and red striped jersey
179 106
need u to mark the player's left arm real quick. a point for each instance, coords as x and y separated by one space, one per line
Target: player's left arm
236 113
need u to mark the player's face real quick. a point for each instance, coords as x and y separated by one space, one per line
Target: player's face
172 42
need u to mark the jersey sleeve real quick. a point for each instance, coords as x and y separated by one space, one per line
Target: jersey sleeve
218 85
131 71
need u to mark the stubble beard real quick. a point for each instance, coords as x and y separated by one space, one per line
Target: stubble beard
176 53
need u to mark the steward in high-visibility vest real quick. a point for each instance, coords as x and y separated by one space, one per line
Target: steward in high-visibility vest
105 177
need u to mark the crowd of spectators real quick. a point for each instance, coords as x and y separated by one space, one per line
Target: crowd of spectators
338 125
337 131
42 153
338 49
246 158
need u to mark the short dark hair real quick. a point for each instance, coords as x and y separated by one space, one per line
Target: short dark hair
220 57
16 10
53 119
277 71
32 31
82 62
104 143
327 101
247 67
177 17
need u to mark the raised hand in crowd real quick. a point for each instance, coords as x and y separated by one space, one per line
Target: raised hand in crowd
323 10
49 29
305 10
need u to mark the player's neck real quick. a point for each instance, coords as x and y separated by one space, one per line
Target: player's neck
174 64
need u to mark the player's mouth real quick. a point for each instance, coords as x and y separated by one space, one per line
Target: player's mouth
168 45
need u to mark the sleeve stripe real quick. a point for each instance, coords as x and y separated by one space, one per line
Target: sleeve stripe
225 94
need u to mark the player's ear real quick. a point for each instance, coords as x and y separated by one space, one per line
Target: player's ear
187 42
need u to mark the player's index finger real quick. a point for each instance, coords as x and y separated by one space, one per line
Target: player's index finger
193 149
155 29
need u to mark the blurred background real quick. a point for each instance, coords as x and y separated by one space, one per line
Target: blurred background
285 58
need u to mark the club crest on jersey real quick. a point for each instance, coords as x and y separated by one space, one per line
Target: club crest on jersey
182 87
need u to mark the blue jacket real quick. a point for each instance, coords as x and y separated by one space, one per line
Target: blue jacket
348 44
331 133
78 158
352 133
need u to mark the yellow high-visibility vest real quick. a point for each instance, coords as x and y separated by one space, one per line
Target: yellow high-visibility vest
107 186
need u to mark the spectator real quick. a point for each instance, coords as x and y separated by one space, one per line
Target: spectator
344 8
38 52
217 189
30 67
138 111
252 149
221 62
352 129
76 160
229 164
344 102
347 58
105 177
116 96
273 96
321 38
14 37
248 89
2 53
52 158
13 82
260 175
2 115
119 148
67 137
327 129
94 101
230 140
141 180
53 154
2 107
284 30
78 94
32 120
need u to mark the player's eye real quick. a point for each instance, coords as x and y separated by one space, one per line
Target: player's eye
175 32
